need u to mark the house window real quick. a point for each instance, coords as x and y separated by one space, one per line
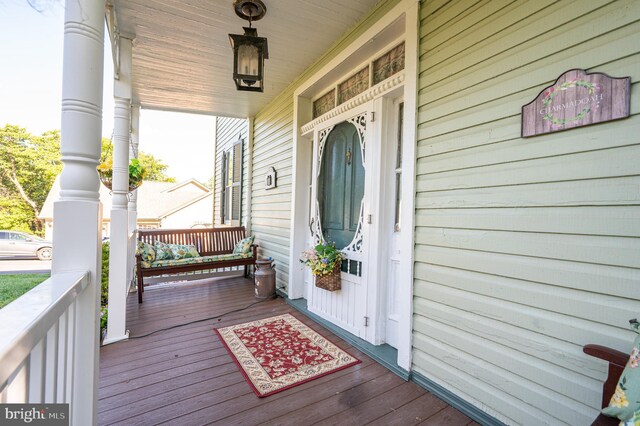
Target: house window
232 185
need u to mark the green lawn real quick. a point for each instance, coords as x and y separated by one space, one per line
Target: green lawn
15 285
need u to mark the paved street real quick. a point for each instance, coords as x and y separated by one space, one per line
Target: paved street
26 266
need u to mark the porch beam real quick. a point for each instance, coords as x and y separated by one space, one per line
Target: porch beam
120 235
78 213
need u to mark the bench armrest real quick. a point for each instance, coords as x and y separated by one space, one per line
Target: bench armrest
608 354
617 361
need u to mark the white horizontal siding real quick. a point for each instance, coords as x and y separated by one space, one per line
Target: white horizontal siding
526 249
271 208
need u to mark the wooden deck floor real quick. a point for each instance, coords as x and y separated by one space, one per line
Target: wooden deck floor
184 376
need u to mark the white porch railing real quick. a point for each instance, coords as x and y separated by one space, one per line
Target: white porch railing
38 340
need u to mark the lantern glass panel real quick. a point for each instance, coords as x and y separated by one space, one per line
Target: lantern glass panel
247 59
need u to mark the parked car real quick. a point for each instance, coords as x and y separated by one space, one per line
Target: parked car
20 244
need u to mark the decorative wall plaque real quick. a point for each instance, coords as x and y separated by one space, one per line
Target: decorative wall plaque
577 99
270 179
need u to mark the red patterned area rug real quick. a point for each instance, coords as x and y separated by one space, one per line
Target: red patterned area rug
281 352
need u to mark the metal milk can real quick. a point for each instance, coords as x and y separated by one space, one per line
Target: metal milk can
265 279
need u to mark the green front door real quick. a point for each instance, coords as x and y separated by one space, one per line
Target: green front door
341 185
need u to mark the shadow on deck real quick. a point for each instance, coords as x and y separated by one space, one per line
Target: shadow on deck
184 375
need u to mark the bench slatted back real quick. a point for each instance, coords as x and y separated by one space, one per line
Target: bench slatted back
208 241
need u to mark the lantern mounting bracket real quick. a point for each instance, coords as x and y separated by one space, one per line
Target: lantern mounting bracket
250 10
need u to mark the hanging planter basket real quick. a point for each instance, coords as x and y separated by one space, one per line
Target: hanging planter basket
331 281
108 181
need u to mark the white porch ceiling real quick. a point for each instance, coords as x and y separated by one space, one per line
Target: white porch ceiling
182 60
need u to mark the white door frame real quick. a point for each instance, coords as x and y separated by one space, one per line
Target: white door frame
406 12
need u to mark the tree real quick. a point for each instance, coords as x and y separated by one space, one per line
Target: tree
155 168
211 182
28 166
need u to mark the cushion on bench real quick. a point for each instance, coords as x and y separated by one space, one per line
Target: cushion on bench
183 251
195 260
146 251
163 251
244 245
625 402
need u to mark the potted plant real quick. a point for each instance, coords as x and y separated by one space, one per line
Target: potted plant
137 173
325 261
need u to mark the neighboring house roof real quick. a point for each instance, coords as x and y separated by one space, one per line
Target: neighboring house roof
156 200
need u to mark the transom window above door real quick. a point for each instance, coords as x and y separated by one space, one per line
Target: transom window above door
375 72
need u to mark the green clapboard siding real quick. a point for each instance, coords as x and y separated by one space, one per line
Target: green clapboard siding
273 147
525 249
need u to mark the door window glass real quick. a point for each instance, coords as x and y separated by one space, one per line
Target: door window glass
398 170
341 185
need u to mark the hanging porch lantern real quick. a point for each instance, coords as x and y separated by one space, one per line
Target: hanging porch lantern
249 50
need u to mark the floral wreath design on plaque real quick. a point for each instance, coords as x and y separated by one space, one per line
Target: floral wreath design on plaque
551 93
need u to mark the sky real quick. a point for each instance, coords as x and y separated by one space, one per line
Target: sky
31 91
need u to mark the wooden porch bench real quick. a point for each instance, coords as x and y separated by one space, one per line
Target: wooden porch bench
208 242
617 361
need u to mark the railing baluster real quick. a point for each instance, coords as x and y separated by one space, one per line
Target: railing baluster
61 380
18 389
71 333
51 366
36 372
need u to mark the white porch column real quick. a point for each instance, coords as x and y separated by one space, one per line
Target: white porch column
119 236
76 235
133 153
133 197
